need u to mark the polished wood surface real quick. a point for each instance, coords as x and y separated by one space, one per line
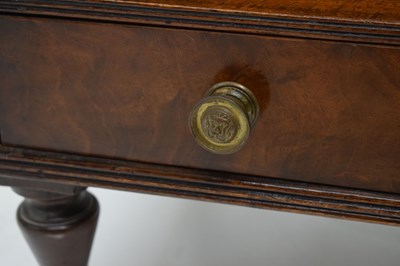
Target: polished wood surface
329 111
25 167
59 227
377 11
366 21
99 93
365 11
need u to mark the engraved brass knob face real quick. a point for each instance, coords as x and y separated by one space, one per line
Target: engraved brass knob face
221 122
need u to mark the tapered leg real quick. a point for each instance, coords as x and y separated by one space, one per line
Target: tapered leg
59 228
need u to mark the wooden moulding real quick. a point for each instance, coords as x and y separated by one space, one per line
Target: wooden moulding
360 21
23 166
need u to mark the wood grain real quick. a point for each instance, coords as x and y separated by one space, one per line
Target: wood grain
48 171
367 11
362 21
329 111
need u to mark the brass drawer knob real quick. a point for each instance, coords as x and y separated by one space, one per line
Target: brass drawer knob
221 122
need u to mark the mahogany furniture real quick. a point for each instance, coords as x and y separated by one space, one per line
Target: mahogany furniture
101 92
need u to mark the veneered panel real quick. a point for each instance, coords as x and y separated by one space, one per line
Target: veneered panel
329 110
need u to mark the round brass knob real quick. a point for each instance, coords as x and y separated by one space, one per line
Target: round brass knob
221 122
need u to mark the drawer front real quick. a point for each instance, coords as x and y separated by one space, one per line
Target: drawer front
329 111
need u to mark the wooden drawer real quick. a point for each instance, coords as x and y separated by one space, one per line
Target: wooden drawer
98 93
329 110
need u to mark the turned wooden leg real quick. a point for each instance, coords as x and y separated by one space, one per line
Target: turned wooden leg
59 227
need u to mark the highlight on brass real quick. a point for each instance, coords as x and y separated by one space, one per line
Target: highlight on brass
221 122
